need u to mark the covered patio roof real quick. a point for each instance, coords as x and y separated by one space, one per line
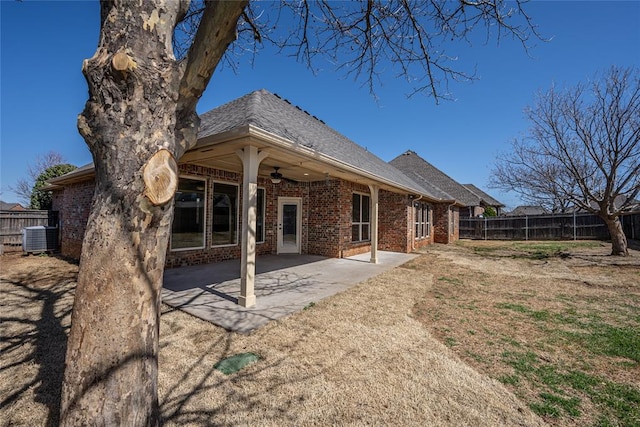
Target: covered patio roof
301 145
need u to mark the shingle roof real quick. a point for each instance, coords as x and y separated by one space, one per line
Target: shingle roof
273 114
412 164
487 199
527 210
4 206
278 116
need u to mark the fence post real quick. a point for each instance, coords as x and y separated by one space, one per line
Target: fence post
485 228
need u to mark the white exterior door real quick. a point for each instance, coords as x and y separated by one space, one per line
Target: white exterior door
289 225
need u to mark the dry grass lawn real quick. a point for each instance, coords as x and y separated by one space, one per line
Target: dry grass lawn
360 357
478 333
558 323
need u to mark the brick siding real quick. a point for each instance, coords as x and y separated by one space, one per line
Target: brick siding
326 218
446 223
394 219
73 204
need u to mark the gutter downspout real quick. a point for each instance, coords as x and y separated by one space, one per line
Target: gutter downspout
413 224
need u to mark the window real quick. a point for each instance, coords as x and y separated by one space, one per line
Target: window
225 214
260 216
360 218
187 230
421 215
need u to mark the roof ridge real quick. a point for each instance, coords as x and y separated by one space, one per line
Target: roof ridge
253 106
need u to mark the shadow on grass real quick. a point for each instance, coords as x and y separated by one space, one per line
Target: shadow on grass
35 319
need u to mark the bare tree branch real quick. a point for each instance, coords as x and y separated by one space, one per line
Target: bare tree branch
582 150
24 185
209 45
366 39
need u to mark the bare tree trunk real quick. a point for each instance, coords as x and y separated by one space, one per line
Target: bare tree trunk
139 118
618 238
129 122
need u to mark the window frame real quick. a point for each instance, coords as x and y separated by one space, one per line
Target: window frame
204 215
360 223
237 214
422 220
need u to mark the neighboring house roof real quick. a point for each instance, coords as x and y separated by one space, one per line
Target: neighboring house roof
621 199
484 197
411 164
525 210
278 116
4 206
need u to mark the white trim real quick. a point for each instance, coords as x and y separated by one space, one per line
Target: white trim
360 222
279 236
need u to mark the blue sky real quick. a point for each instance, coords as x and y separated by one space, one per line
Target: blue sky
42 88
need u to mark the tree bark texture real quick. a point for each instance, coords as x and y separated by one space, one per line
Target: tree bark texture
618 239
111 365
136 123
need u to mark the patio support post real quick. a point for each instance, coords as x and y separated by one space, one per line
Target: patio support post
251 159
374 223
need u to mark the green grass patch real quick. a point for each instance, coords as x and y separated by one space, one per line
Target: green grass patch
621 404
450 342
476 357
513 380
541 315
452 280
531 250
552 405
510 341
602 338
560 390
513 307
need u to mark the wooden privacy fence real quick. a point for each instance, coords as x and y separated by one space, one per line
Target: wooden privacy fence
12 223
546 227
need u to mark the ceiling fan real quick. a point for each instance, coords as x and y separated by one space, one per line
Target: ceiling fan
276 177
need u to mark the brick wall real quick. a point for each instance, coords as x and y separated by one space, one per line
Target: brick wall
326 218
441 223
394 222
73 204
446 222
324 212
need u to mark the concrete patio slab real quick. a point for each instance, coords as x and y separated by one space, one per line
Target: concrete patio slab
284 284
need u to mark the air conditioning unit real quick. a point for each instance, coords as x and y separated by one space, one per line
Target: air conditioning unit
40 239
